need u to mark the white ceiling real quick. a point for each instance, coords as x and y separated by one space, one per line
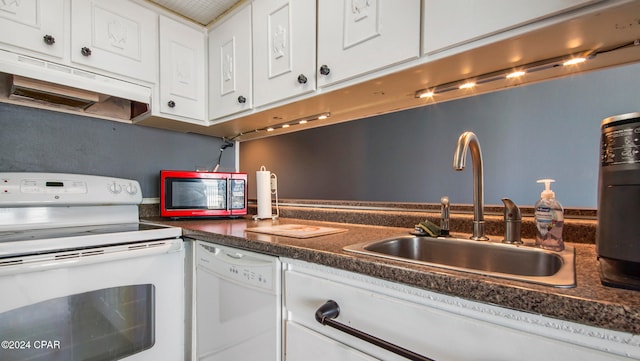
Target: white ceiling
203 12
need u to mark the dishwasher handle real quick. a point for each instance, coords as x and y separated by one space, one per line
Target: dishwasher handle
215 253
326 313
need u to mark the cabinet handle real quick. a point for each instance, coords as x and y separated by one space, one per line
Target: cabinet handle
324 70
171 104
49 40
85 51
302 79
242 99
330 310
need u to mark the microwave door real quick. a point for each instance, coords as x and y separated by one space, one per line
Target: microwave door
215 191
238 196
201 194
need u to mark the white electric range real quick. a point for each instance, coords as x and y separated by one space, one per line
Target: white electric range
82 278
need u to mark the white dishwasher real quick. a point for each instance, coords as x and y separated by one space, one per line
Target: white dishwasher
238 305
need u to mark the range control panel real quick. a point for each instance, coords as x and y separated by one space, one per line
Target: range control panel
33 189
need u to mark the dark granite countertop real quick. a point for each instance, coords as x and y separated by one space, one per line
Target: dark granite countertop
588 303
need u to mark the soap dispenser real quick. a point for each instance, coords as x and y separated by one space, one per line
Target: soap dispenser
549 219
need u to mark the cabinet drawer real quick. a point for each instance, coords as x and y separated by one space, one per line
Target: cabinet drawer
436 326
304 344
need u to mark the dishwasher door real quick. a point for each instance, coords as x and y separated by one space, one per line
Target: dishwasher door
238 305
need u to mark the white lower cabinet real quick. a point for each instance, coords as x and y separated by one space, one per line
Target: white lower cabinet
305 344
436 326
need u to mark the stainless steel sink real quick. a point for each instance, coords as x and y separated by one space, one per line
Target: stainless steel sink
520 263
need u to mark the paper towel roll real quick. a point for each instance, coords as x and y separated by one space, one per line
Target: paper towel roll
263 182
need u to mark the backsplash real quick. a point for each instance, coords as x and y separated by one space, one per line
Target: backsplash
544 130
580 224
37 140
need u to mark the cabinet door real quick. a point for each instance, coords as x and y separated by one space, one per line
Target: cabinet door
359 36
182 70
117 36
304 344
33 25
448 23
284 51
230 66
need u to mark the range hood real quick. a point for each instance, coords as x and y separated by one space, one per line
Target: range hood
38 83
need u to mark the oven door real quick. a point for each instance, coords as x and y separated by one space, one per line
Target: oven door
110 303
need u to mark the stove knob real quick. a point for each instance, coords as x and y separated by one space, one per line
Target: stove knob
131 189
115 188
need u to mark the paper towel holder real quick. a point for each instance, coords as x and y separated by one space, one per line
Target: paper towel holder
267 185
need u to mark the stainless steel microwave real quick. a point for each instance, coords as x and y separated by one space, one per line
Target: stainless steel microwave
202 194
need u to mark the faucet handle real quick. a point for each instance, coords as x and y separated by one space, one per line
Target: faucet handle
512 222
444 216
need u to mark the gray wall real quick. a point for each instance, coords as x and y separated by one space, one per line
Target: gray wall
37 140
549 129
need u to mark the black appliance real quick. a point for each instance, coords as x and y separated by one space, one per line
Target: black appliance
618 231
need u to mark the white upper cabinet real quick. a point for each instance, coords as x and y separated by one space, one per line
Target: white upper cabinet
284 49
182 87
360 36
230 81
34 25
117 36
448 23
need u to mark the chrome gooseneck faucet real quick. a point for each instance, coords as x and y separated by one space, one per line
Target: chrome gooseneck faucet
468 140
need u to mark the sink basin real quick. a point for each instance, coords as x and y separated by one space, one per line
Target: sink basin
520 263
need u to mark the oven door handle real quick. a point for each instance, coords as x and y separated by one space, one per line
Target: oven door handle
65 259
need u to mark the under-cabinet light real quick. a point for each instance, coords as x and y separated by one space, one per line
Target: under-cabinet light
574 61
467 85
425 93
513 74
287 124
